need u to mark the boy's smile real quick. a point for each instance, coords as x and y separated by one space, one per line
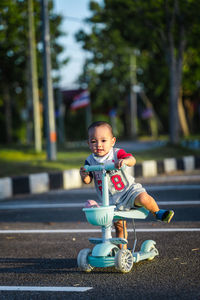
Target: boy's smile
101 140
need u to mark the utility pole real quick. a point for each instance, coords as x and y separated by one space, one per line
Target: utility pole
34 79
61 112
48 89
133 96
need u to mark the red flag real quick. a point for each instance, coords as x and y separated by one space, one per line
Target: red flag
81 100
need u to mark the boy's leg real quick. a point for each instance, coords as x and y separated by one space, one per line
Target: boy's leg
149 203
145 200
121 231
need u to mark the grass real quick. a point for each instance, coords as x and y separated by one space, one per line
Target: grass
17 161
166 151
14 162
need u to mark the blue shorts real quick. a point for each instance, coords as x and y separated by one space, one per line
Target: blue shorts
136 189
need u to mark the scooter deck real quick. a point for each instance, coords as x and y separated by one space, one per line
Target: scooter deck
115 241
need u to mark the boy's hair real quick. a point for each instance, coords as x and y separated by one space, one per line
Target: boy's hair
100 123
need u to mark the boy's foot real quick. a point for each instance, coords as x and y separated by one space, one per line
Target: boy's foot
91 204
164 215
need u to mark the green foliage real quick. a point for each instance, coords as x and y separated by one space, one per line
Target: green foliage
14 58
159 29
76 128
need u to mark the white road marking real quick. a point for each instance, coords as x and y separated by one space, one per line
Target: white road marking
30 231
45 288
172 187
74 205
39 205
184 202
91 190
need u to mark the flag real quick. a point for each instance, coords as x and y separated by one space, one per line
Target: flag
81 100
147 113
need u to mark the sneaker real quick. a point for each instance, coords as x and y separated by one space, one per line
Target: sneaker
164 215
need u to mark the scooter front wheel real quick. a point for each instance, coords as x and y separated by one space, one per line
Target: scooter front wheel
149 247
124 260
82 260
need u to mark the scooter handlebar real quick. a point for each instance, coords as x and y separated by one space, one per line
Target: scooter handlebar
107 167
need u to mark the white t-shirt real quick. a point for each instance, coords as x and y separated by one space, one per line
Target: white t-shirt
121 184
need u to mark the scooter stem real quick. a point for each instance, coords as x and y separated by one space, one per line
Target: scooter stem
105 193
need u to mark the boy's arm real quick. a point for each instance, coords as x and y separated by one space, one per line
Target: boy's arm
125 158
128 161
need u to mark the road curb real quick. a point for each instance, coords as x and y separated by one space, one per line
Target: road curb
69 179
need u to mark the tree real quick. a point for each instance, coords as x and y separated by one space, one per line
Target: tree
107 71
162 29
166 25
11 59
14 57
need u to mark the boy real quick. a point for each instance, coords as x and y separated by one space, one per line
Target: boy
123 191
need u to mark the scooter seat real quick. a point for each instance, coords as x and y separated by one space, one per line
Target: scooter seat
136 213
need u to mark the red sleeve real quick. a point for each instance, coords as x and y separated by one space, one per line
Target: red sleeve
121 154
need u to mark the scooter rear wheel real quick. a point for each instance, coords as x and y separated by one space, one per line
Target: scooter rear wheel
82 260
124 260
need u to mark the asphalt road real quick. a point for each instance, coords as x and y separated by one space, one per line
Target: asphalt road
41 236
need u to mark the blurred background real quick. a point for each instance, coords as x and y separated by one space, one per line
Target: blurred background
66 63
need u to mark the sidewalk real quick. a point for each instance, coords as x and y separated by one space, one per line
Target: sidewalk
147 172
139 146
179 178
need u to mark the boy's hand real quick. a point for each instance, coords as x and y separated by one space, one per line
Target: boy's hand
119 163
85 176
128 161
83 173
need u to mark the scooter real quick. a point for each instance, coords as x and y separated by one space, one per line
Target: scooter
106 252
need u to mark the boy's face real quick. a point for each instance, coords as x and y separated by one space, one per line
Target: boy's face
101 140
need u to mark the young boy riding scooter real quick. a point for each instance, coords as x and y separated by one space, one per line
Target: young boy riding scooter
124 192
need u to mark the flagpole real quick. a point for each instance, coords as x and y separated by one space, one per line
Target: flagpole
88 116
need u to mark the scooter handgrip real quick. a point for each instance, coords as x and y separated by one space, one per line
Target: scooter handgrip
107 167
110 167
93 168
